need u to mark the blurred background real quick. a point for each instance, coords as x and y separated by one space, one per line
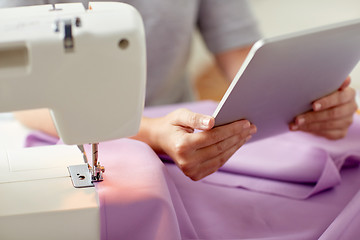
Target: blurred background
275 17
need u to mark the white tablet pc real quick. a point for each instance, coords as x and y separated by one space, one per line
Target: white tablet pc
282 76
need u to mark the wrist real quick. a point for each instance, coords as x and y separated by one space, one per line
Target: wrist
149 132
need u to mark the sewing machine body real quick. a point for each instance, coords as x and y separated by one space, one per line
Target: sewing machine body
88 67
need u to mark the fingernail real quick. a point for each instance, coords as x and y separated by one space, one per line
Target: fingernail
205 122
246 125
300 121
317 106
248 138
253 130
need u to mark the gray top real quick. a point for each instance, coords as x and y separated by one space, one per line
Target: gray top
169 25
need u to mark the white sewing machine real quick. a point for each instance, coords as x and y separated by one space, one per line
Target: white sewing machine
88 67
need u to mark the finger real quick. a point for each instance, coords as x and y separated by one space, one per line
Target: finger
345 84
187 118
207 138
209 152
188 156
334 99
212 165
339 112
338 124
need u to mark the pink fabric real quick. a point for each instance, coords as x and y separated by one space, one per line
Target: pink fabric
219 212
299 189
38 138
295 164
346 225
137 197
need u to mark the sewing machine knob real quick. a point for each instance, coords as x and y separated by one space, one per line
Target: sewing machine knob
123 43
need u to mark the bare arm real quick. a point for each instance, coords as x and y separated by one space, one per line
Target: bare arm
196 154
38 119
231 61
202 153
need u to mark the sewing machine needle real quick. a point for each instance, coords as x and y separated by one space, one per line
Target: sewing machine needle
95 154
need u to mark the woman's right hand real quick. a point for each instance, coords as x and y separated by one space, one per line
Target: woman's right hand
197 154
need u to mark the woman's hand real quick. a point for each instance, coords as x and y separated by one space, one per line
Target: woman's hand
331 116
197 154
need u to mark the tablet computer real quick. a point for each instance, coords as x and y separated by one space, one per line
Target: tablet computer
282 76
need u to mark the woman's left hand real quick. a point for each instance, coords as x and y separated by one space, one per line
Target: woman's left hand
331 115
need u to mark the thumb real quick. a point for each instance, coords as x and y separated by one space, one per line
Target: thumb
187 118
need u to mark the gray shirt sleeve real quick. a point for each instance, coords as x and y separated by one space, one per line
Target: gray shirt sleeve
227 24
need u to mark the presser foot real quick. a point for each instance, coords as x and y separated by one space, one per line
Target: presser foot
97 173
84 175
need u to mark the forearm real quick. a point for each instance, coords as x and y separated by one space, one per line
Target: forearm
231 61
147 133
38 119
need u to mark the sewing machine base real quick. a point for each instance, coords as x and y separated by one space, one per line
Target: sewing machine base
38 199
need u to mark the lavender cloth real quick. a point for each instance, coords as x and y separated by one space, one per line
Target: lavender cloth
38 138
141 198
346 225
138 199
295 164
218 212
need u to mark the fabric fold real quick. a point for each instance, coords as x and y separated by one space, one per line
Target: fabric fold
295 164
142 198
138 199
346 224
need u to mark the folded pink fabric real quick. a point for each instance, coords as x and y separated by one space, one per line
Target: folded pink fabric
346 225
295 164
141 198
137 197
